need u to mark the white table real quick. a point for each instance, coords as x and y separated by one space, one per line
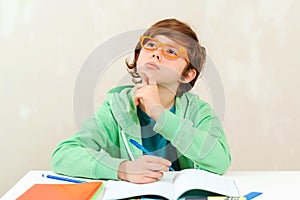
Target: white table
281 185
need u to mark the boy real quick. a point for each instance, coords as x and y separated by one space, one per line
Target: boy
178 128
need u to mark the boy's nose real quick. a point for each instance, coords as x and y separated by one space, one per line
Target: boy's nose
158 53
157 56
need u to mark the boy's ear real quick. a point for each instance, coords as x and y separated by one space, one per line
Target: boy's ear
188 76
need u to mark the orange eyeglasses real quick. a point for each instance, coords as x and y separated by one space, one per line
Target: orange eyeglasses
168 50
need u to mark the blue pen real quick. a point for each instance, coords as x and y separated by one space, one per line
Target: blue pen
136 144
63 178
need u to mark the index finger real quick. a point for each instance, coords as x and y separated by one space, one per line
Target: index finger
160 160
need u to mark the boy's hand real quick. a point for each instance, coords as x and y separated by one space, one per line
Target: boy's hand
146 169
147 94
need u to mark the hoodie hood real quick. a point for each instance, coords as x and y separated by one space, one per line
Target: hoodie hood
124 109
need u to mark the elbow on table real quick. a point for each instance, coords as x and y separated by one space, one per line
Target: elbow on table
220 165
223 166
57 162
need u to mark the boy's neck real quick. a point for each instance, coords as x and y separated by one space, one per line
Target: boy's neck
167 97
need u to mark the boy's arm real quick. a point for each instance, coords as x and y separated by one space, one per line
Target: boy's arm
201 140
84 155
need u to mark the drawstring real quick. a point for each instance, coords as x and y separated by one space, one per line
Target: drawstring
126 145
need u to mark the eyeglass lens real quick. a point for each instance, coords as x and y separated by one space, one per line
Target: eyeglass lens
168 50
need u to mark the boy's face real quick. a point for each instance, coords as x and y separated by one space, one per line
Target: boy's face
167 71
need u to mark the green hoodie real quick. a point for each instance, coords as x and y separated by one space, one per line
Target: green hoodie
97 150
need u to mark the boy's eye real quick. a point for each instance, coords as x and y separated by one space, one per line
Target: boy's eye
172 51
151 44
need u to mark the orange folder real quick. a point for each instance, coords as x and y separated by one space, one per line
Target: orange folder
79 191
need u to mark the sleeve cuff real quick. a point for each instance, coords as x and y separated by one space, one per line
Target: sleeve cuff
107 168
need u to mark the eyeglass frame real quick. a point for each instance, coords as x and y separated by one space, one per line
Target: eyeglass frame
160 44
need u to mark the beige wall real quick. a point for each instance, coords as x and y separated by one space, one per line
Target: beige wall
253 45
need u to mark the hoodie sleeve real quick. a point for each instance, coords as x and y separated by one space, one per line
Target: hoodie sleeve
84 154
198 136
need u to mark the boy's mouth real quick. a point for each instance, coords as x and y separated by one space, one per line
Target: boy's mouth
152 65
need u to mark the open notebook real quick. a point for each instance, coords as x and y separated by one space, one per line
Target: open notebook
173 185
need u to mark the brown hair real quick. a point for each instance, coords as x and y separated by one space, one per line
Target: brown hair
183 35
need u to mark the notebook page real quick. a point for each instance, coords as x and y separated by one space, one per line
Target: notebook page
198 179
124 189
